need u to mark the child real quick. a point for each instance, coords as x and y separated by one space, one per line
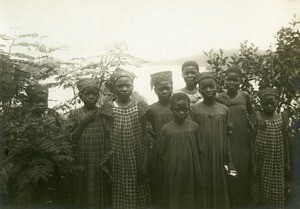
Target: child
272 153
40 132
212 118
183 181
159 115
86 126
129 142
242 146
190 69
38 101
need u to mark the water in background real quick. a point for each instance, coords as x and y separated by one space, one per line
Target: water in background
141 83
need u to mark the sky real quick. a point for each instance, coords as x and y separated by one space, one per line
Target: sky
152 29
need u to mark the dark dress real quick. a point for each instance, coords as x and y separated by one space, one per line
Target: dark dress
183 181
128 141
89 151
213 124
241 147
158 116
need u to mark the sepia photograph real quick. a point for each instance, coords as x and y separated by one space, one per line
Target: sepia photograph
153 104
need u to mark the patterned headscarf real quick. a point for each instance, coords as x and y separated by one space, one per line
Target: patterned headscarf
156 78
121 73
208 74
267 91
87 82
34 89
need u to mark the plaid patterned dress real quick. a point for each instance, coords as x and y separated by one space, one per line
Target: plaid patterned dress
129 146
268 188
89 151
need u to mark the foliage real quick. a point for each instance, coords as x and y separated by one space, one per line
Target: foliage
279 68
99 67
24 60
38 157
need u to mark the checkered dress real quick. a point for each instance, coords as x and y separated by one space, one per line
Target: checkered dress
268 188
90 190
128 145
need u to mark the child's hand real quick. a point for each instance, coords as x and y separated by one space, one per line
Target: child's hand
88 117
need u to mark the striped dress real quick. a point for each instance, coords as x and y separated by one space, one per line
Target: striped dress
128 143
268 187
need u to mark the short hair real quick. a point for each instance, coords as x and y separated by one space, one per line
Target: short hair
179 96
190 63
236 70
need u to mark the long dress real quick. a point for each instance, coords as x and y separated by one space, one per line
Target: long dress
89 151
128 142
158 116
213 124
268 187
241 148
183 181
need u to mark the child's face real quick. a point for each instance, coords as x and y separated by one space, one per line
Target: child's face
40 103
189 75
269 104
123 87
164 90
180 110
208 88
232 81
90 96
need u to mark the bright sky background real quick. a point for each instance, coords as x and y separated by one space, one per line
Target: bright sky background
152 29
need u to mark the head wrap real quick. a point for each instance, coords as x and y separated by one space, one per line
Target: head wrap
236 70
208 74
156 78
121 73
87 82
190 63
34 89
267 91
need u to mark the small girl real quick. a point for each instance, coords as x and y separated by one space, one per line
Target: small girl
159 115
190 70
183 182
128 136
212 118
272 153
87 128
242 145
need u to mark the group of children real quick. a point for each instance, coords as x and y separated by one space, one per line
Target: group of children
190 149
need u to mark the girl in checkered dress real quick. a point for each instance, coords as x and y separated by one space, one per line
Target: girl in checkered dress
128 137
87 128
272 154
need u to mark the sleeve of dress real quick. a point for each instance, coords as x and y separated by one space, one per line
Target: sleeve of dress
151 124
192 113
72 122
227 146
249 106
287 137
199 142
